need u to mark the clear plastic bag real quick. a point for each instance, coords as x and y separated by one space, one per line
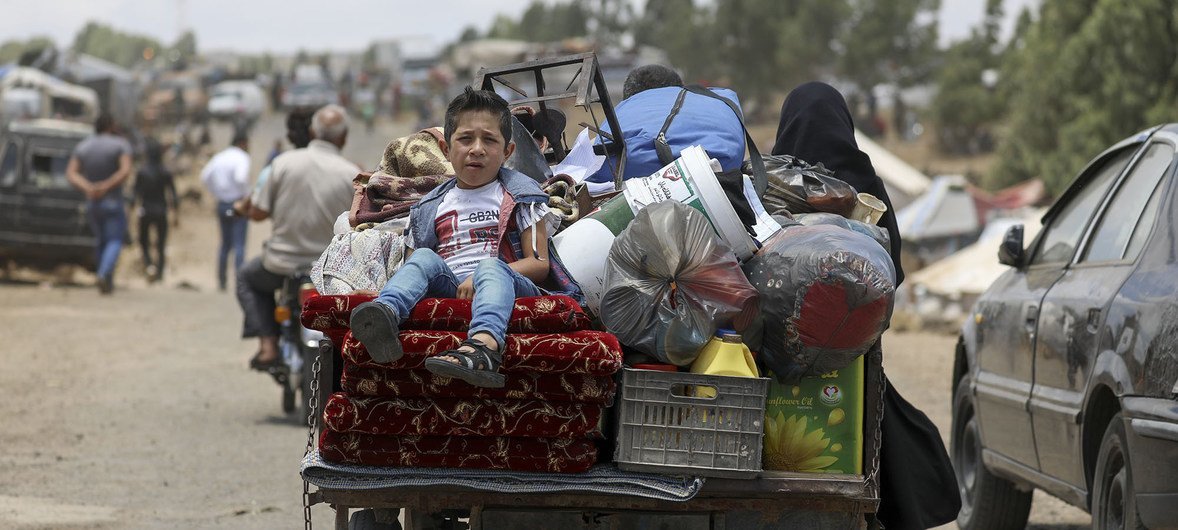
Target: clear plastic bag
671 282
798 187
826 296
875 232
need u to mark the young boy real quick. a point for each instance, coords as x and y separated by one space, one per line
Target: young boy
462 241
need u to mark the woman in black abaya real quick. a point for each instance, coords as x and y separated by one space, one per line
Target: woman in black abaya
917 486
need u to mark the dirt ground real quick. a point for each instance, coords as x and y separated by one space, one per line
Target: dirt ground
137 410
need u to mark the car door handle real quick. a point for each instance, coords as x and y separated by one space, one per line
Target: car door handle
1030 317
1093 320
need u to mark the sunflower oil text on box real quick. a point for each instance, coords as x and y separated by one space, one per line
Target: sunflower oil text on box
816 425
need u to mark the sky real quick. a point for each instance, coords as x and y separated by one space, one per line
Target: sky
286 26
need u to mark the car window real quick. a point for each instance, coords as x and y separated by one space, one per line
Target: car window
1059 240
8 159
47 169
1111 238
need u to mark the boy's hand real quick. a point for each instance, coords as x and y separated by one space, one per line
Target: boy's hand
466 289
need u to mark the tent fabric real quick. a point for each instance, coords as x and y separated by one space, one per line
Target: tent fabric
971 270
946 209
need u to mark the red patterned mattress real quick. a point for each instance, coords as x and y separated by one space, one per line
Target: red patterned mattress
579 352
557 455
367 381
539 314
461 417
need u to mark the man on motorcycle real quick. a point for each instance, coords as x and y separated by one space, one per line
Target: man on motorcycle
306 191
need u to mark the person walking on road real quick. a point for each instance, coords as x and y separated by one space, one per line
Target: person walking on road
155 194
227 177
99 166
305 193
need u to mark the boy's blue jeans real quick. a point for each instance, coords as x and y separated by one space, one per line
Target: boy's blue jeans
108 221
425 275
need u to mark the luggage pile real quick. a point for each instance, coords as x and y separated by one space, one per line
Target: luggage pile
548 417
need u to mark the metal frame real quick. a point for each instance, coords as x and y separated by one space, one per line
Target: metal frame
590 89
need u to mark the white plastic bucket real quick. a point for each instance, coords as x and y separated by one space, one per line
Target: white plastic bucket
691 181
584 246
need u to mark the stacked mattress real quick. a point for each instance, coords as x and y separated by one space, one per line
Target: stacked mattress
547 417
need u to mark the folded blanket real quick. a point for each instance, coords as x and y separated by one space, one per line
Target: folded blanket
381 196
461 417
384 382
539 314
561 455
579 352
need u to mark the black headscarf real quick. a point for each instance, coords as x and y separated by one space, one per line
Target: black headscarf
816 127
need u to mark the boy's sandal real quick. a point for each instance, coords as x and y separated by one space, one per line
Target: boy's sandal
479 367
375 325
256 363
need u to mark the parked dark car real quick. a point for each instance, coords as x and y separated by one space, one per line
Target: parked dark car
42 217
1065 376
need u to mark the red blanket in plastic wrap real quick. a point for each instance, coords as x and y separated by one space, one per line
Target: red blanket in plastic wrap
538 314
580 352
555 455
383 382
461 417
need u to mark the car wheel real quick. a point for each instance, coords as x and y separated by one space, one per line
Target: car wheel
988 502
1114 506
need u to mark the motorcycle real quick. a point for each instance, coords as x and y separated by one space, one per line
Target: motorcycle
297 344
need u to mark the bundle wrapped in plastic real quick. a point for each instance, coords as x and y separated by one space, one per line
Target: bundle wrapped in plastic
798 187
826 296
671 282
875 232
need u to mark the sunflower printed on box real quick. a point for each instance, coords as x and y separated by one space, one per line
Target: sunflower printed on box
816 425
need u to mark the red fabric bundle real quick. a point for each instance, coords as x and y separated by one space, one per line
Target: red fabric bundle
461 417
539 314
556 455
382 382
581 352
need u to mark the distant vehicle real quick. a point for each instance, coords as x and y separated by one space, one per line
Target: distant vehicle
42 217
1066 376
162 105
28 93
308 96
237 100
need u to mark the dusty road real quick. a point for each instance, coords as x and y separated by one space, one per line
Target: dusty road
137 410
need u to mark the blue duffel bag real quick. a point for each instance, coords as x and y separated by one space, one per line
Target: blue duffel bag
689 118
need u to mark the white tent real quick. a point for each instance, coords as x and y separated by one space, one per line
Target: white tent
946 209
903 182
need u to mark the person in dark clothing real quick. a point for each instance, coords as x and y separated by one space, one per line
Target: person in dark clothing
917 486
816 126
155 194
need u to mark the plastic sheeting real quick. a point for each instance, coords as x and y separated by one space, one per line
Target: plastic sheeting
798 187
826 296
875 232
671 282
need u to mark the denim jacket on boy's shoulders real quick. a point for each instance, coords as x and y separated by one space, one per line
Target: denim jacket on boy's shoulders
520 191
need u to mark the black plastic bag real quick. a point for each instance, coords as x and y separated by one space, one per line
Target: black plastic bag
798 187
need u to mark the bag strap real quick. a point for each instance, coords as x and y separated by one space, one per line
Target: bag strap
661 147
760 177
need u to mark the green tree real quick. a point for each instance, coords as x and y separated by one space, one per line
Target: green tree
12 50
503 27
540 23
677 27
766 47
1088 73
966 106
105 42
183 51
889 41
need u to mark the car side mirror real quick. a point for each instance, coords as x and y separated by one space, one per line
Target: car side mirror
1011 252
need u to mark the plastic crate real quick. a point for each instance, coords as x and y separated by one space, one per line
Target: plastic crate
664 428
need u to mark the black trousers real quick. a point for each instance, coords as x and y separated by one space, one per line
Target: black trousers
158 223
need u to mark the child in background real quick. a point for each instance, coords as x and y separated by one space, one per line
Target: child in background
462 241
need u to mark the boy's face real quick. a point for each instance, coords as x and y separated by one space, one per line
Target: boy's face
477 149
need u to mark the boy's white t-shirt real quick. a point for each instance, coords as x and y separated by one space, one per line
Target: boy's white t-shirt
467 226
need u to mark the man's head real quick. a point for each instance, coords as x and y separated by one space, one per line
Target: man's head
105 124
240 139
478 136
648 77
330 124
298 128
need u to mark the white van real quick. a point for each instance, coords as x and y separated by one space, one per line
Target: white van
236 100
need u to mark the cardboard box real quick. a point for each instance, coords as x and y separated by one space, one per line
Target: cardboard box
816 426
